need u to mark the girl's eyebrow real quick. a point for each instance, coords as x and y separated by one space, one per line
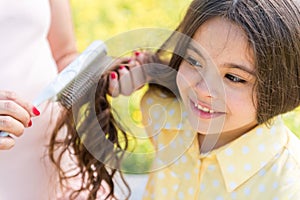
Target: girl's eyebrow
193 48
230 65
240 67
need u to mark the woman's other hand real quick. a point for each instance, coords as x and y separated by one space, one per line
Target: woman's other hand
129 76
15 116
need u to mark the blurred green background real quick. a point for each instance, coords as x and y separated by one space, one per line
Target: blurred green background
102 20
98 19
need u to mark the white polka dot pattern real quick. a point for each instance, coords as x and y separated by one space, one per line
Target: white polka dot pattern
254 166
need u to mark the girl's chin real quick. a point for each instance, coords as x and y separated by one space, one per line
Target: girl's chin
208 130
208 133
207 127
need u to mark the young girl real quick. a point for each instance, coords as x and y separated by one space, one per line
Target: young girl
213 109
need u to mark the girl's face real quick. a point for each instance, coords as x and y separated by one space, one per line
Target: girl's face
216 80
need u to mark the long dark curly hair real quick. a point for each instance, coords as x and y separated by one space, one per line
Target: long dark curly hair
273 30
93 141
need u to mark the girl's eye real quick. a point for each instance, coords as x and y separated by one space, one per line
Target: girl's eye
193 61
234 78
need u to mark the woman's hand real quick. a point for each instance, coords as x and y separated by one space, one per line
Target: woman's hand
129 76
15 114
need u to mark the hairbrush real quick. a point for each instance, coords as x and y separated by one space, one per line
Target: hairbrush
74 81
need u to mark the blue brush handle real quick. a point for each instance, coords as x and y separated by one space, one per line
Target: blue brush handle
3 134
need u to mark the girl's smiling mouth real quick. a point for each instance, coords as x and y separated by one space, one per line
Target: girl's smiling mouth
203 111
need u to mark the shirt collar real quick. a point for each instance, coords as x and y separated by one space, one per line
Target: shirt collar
244 157
240 159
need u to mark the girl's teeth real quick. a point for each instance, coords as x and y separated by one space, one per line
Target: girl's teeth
203 108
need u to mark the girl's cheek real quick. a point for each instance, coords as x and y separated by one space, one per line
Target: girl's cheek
188 72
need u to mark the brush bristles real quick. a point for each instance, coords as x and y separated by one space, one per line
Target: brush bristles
75 90
84 83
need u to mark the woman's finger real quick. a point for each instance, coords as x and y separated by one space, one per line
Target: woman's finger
139 56
12 125
138 76
113 88
11 109
6 143
118 62
11 96
142 57
125 81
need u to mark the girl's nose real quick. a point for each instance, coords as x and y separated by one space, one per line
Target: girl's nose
208 86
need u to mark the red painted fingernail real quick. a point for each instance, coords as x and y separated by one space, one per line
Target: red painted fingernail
131 61
113 75
35 111
30 123
137 53
122 67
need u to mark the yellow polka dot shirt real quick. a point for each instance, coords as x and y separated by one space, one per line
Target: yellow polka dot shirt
263 164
